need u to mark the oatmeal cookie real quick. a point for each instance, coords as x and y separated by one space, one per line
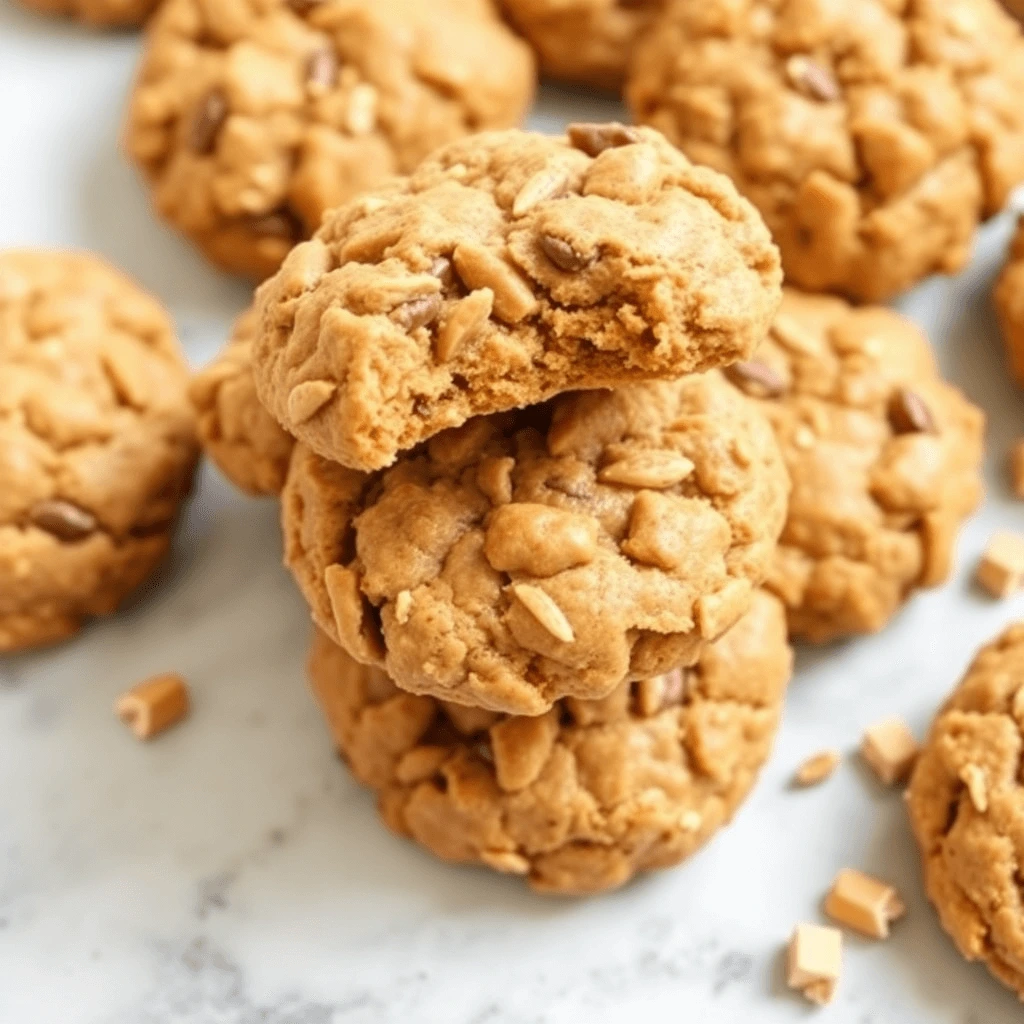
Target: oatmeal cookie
250 118
508 268
97 442
585 796
884 458
99 13
966 804
1009 299
238 434
871 134
558 551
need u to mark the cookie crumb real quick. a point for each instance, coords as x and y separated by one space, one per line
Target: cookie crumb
815 961
1017 469
890 750
863 903
973 777
1001 569
154 705
817 768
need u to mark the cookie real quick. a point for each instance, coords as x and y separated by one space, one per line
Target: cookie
237 433
582 798
1009 300
873 135
966 805
97 442
99 13
884 458
508 268
587 41
557 551
250 118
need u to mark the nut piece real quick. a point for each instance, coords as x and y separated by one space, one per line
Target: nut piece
812 79
594 139
815 961
756 379
522 745
543 608
209 117
538 539
890 750
863 903
908 413
308 398
547 183
654 469
419 312
973 777
1001 569
817 768
465 321
480 267
62 519
563 255
1017 469
153 705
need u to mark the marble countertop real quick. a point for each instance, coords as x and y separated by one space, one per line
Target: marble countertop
232 873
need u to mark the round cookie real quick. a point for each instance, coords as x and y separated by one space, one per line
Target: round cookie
966 804
586 41
238 434
557 551
1009 300
97 442
250 118
508 268
580 799
883 455
871 134
99 13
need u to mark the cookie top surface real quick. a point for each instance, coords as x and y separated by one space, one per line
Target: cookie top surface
883 455
250 118
100 13
966 804
871 134
508 268
582 798
1009 301
240 436
558 551
97 439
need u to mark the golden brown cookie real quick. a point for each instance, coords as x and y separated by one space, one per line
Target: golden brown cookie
250 118
588 41
584 797
1009 300
239 435
966 803
884 458
557 551
99 13
508 268
873 135
97 441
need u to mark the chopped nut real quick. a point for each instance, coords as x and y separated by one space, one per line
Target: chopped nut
543 608
420 763
756 379
795 336
1001 569
817 768
441 268
153 705
594 139
890 750
281 223
506 861
494 478
1017 469
419 312
563 255
812 79
480 267
720 611
65 521
322 69
209 117
403 607
908 413
306 399
465 321
815 961
547 183
361 116
656 469
973 777
538 539
522 745
863 903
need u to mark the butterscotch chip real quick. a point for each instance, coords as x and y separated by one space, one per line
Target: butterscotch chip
600 279
814 961
873 136
890 750
863 903
584 797
153 706
1009 301
1001 569
1017 469
527 575
817 768
248 124
97 442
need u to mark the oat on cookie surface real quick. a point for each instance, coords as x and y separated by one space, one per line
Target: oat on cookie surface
508 268
601 537
250 118
1009 300
884 458
872 134
100 13
965 803
582 798
97 441
239 435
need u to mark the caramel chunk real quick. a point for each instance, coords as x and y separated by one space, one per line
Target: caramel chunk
1001 569
154 705
863 903
890 750
815 961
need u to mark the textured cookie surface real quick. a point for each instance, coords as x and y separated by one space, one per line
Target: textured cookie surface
559 551
510 267
97 442
101 13
250 118
1009 299
966 804
884 458
588 41
872 134
582 798
243 439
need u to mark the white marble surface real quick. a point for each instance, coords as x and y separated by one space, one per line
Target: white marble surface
231 873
